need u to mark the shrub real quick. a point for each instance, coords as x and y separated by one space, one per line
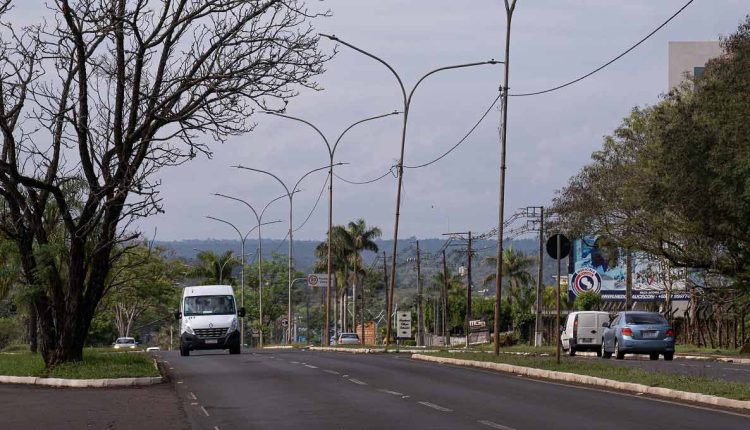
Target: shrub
11 331
588 301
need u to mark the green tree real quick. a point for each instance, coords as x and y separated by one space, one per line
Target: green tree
214 268
515 270
588 301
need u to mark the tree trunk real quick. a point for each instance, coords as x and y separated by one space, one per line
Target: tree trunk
32 329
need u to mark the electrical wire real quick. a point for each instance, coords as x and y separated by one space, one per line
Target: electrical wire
314 206
535 93
370 181
463 139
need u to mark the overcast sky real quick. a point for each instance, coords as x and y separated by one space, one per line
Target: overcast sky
550 136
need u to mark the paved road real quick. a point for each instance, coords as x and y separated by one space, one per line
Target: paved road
24 407
297 389
707 369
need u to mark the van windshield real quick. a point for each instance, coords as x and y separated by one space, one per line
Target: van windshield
209 305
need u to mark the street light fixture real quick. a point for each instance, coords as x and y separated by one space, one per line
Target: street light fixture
243 238
258 218
407 102
331 154
290 195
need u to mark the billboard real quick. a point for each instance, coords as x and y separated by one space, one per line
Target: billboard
597 266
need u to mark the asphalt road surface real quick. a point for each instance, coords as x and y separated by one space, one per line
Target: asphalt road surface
707 369
292 389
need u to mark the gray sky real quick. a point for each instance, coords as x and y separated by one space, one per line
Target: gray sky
550 136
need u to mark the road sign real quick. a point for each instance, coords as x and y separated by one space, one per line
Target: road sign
552 246
319 280
476 325
255 332
284 322
404 325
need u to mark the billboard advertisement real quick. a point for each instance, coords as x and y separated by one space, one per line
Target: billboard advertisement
597 266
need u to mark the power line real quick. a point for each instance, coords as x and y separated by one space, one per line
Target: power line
463 139
610 61
314 206
370 181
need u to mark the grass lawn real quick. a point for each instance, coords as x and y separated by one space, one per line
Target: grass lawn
603 369
698 350
96 364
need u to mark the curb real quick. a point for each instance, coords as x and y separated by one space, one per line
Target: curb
279 347
82 383
365 350
592 380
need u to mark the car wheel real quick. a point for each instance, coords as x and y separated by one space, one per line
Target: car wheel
669 356
603 353
572 351
184 351
234 350
654 356
618 354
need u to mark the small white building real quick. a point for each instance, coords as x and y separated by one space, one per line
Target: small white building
689 59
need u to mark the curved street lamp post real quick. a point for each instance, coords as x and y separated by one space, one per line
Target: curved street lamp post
258 218
331 154
400 167
243 238
290 195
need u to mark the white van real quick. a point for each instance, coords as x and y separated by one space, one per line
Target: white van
209 319
583 332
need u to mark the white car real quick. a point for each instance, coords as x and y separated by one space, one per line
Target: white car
348 339
125 343
153 349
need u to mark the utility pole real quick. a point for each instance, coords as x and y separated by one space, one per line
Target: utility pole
387 296
446 332
539 282
420 310
468 292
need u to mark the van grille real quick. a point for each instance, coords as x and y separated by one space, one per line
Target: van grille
211 332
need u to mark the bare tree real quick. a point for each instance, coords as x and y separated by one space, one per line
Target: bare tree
97 100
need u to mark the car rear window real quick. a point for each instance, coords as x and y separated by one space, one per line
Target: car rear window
351 336
645 319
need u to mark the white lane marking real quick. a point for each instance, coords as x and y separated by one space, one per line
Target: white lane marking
311 366
344 376
332 372
205 411
179 382
192 396
395 393
294 362
216 427
357 381
436 407
193 403
405 397
495 425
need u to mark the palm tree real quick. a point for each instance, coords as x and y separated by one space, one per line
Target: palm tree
215 268
340 251
515 265
360 238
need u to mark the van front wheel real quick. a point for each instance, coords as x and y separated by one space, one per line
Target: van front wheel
234 349
184 351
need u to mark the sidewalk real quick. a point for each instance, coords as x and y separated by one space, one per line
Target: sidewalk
41 408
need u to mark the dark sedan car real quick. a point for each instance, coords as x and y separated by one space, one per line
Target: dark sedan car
638 333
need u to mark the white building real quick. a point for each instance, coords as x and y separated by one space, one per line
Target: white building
689 59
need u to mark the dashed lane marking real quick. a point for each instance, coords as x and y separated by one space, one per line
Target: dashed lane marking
357 381
205 411
332 372
395 393
436 407
311 366
192 396
495 425
294 362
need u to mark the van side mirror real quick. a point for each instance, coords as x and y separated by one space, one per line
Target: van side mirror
241 312
605 324
177 315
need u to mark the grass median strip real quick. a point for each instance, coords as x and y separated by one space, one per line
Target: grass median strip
95 365
603 369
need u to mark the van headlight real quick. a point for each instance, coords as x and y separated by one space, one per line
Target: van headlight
189 330
233 325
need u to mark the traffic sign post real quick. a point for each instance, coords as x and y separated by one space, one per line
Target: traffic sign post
558 247
319 280
403 319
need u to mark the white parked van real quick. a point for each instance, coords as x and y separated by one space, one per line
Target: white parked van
583 332
209 319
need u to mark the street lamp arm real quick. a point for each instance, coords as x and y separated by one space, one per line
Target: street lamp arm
241 201
226 222
440 69
288 194
374 57
313 171
317 130
269 203
265 223
335 145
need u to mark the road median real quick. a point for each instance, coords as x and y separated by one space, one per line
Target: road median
738 393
